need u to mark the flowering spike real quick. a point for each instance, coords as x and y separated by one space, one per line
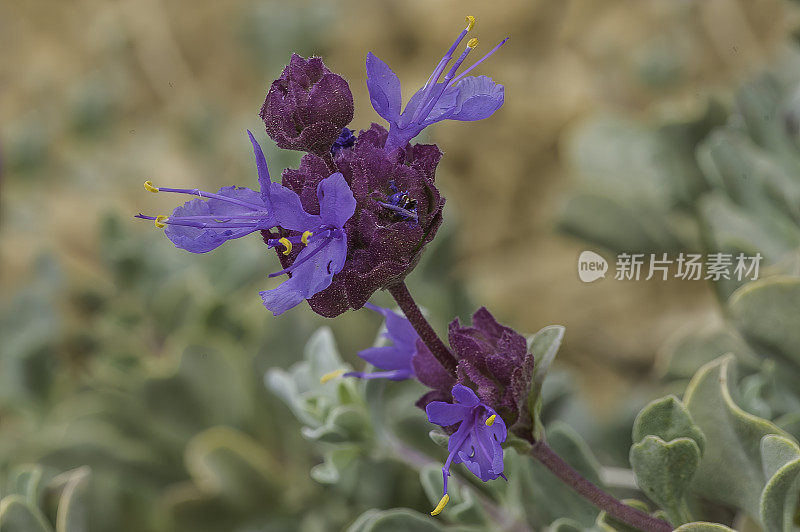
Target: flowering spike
148 185
159 221
442 503
472 43
470 23
305 237
490 420
331 375
287 244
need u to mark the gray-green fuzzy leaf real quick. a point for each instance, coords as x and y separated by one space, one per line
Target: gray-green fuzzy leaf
780 500
733 439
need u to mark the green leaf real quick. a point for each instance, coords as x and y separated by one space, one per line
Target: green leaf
227 462
71 489
544 497
565 524
336 460
26 481
610 524
664 470
16 515
767 312
544 346
700 526
780 500
732 455
300 387
667 418
395 520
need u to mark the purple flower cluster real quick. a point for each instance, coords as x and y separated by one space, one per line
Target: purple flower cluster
355 217
492 359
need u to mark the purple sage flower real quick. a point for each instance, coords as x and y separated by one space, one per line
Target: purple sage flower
307 107
318 241
398 211
448 97
206 223
476 442
493 360
394 359
322 237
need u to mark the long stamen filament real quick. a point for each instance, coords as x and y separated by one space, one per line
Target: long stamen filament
478 62
440 66
196 192
199 225
425 109
245 216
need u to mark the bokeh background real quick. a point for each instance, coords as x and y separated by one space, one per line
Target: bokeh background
120 352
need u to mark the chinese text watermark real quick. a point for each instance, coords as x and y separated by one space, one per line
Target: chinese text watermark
684 266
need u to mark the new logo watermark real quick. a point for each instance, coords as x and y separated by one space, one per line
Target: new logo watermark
685 266
591 267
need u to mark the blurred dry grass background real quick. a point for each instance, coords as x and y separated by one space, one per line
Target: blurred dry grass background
98 96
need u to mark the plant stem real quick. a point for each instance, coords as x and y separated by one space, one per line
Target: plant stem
409 307
612 506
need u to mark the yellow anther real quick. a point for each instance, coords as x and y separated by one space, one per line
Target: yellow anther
305 237
442 503
490 420
472 43
286 244
332 375
470 22
159 221
148 185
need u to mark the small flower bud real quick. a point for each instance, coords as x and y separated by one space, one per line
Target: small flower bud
307 107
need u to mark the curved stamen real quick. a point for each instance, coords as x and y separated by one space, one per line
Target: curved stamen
328 239
287 244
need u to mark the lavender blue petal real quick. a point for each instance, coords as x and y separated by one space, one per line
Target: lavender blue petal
478 98
261 165
384 88
445 414
336 201
284 205
197 240
310 277
464 395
